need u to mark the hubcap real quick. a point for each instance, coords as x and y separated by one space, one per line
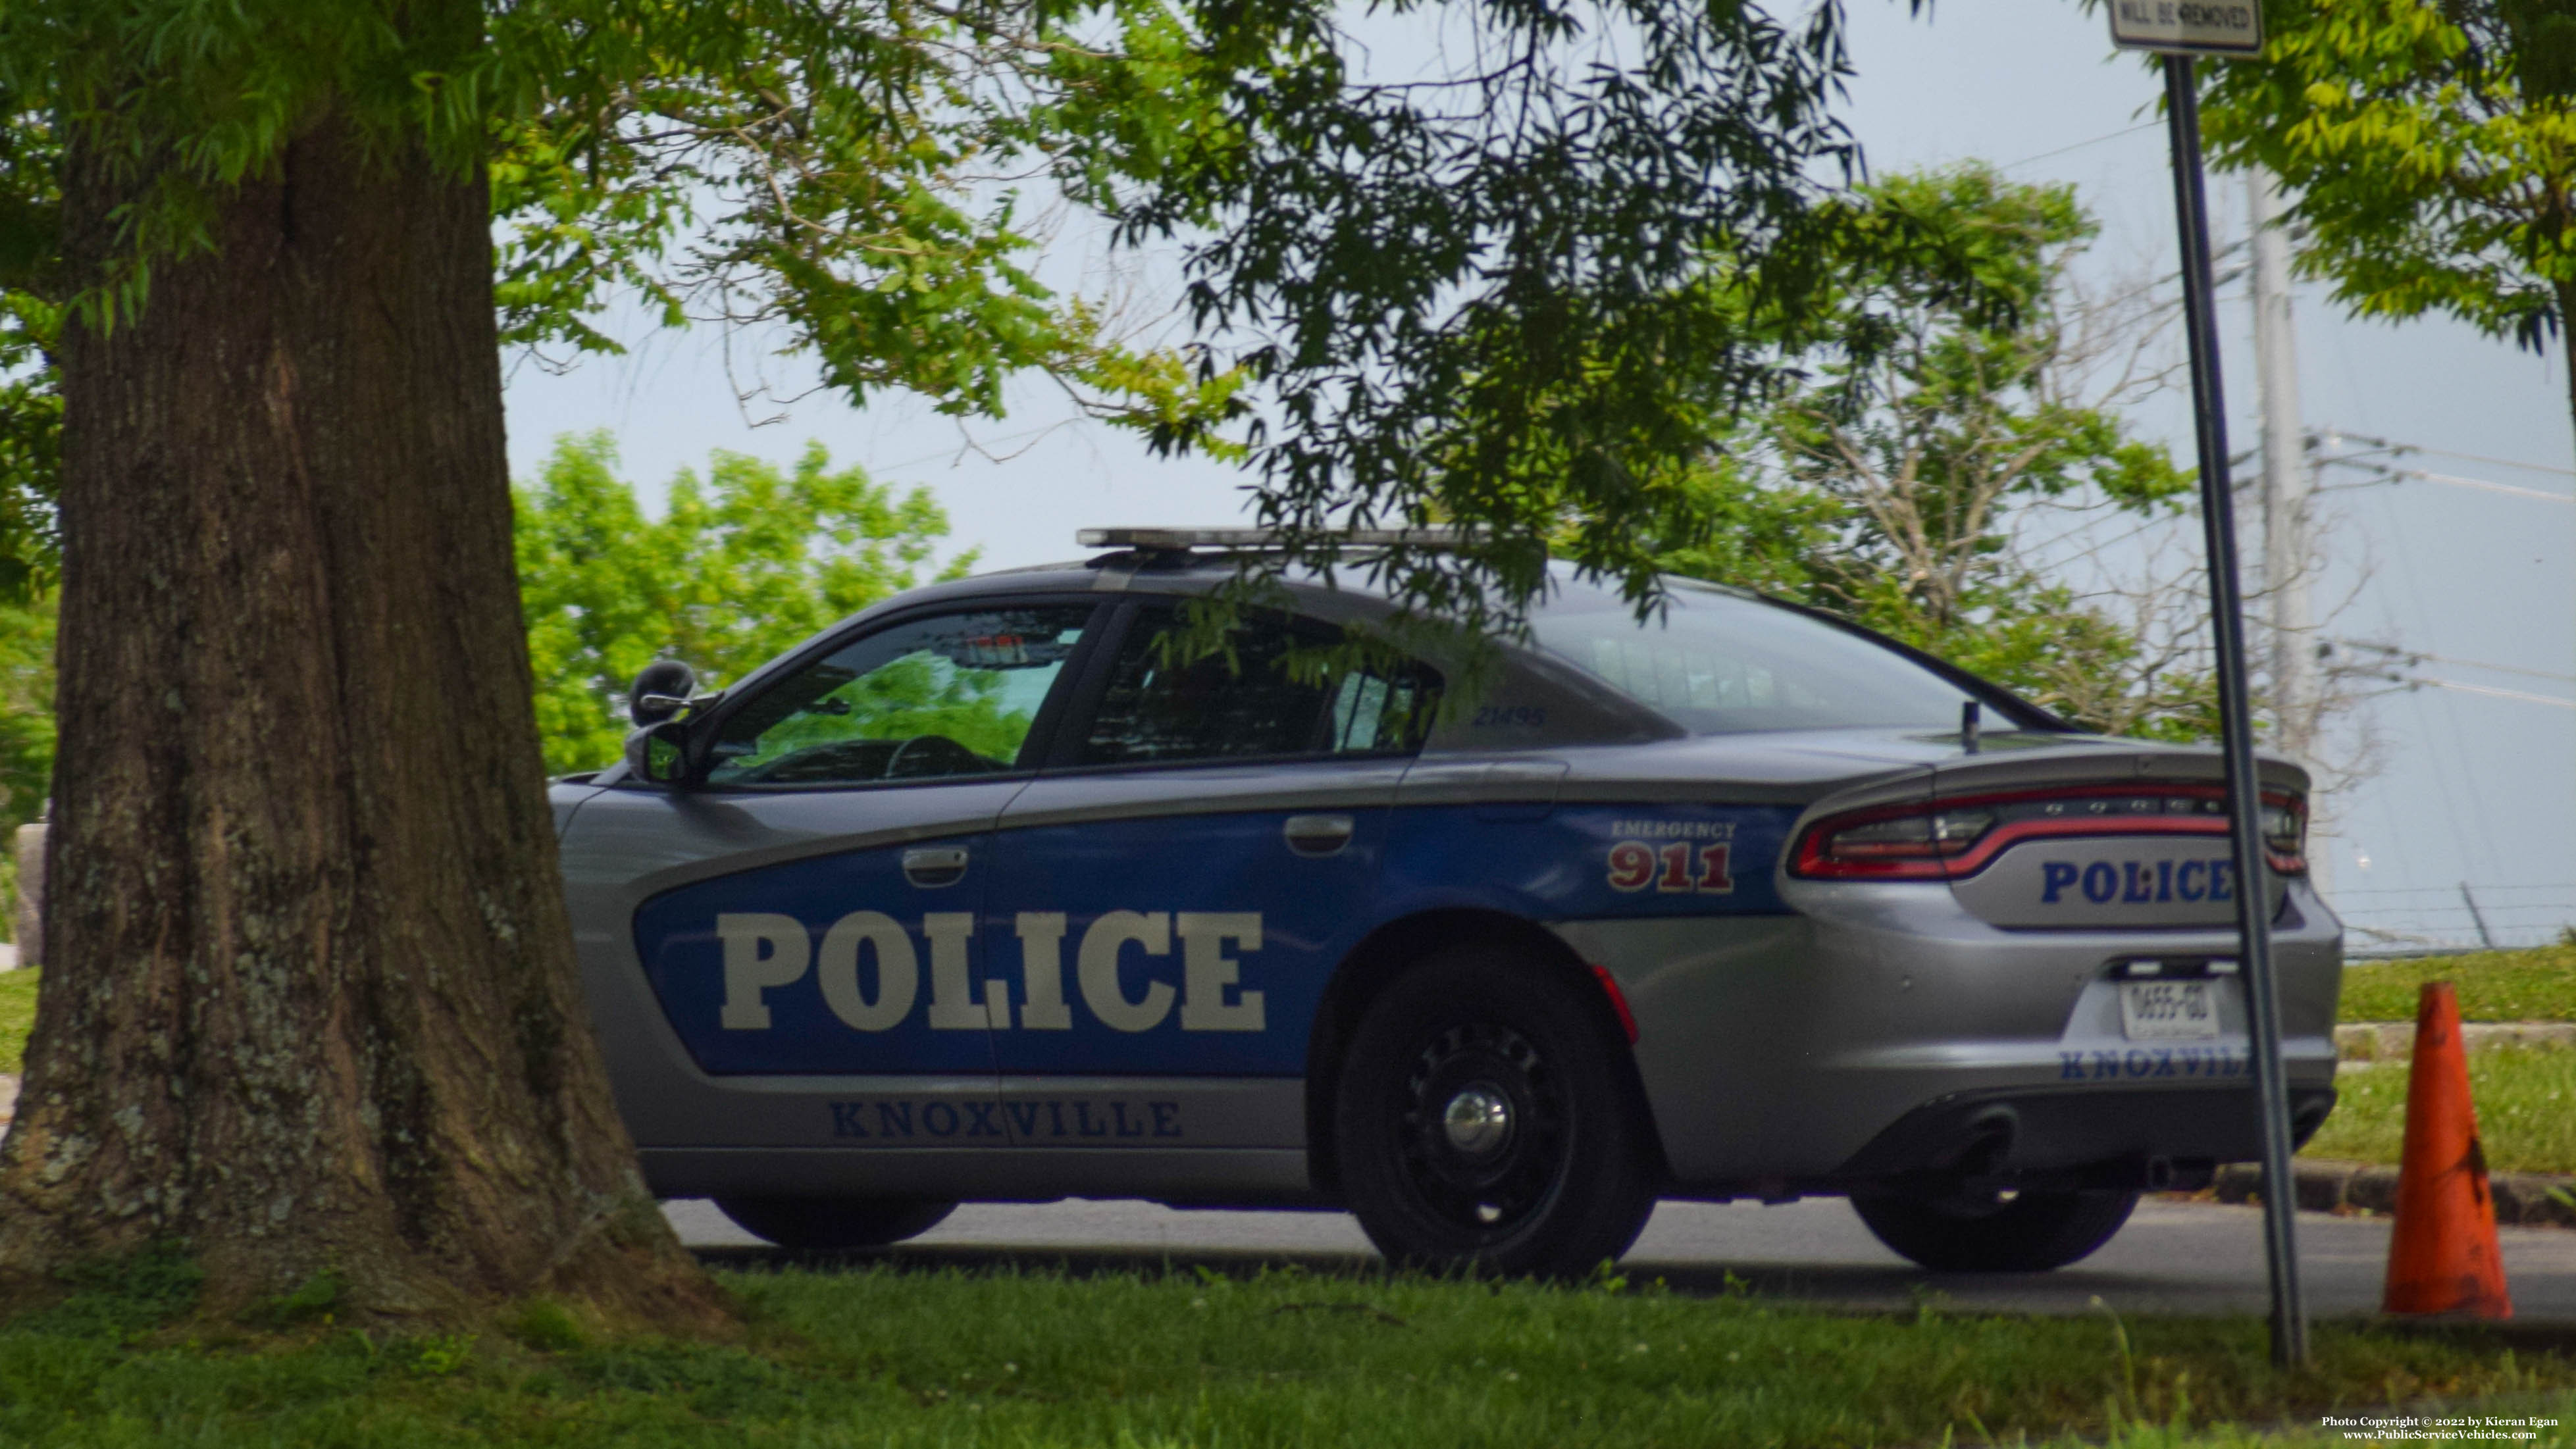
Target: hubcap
1478 1121
1483 1129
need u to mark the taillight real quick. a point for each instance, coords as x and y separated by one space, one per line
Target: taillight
1928 836
1946 839
2285 833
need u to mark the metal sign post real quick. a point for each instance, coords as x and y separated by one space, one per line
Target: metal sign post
2180 29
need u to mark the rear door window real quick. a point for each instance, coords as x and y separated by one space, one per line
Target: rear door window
1244 701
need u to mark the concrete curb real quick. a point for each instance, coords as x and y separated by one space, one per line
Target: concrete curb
2522 1199
2394 1041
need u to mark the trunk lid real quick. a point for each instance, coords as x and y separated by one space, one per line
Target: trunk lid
2130 836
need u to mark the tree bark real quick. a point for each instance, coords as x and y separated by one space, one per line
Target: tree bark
310 1003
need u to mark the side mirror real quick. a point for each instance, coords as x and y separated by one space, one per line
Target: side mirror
658 752
661 690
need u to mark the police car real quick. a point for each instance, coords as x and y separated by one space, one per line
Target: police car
985 894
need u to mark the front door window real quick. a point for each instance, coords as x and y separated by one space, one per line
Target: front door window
944 696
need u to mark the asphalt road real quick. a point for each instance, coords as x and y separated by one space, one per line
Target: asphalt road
2172 1258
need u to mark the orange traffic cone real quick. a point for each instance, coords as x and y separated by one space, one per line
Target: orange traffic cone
2442 1256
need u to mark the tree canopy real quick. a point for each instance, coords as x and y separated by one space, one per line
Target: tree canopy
1491 259
2432 148
1892 480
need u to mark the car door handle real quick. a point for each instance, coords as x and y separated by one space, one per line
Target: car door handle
1317 835
933 866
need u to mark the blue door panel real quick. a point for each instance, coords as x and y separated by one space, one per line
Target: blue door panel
1182 945
829 964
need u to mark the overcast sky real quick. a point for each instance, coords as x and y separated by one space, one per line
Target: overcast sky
2471 787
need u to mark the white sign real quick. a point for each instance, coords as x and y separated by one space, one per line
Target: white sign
2192 27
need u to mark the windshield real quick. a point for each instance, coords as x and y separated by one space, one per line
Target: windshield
1719 663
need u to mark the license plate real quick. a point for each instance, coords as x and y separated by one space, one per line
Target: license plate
2167 1010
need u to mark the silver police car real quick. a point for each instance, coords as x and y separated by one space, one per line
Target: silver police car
985 894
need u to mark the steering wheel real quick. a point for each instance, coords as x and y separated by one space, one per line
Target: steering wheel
894 762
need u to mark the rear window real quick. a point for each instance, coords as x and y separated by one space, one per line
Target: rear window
1718 663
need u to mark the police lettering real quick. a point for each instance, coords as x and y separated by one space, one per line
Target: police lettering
869 972
2137 882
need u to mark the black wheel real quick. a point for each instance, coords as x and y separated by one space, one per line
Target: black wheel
1990 1232
1485 1119
824 1223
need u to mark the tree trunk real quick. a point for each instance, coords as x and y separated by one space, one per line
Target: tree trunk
309 1003
2567 331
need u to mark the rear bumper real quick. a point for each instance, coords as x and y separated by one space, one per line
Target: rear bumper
2152 1137
1847 1040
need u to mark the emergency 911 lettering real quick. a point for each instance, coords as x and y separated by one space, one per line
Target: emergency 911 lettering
1681 868
764 951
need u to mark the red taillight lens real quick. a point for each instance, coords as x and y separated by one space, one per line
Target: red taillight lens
1916 843
1944 839
2285 833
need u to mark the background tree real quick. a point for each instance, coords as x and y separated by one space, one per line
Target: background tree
31 404
1460 299
736 570
312 1012
2431 145
1895 483
26 730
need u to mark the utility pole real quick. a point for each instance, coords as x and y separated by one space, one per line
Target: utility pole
2297 697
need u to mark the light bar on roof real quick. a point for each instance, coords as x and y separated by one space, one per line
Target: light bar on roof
1176 539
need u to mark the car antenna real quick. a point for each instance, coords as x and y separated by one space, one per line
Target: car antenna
1968 720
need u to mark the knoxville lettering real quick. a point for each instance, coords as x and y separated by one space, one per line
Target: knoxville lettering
2135 1063
1070 1119
870 974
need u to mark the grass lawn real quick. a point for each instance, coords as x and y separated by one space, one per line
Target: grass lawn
2526 1100
2526 1096
2534 985
17 1017
879 1356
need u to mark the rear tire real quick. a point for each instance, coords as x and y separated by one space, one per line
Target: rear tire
2031 1232
822 1224
1485 1119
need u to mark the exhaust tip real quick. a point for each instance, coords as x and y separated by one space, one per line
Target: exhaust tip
1987 1143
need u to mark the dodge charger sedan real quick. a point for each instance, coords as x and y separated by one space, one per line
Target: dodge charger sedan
1010 889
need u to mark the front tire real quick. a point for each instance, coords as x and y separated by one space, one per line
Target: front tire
824 1224
1986 1232
1485 1119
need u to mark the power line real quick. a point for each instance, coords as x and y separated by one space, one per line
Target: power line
2457 481
2418 656
2080 145
2336 435
2387 474
2468 785
2488 690
2421 681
